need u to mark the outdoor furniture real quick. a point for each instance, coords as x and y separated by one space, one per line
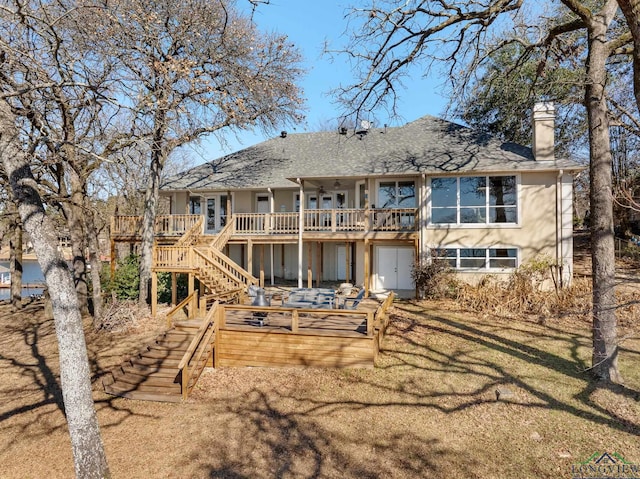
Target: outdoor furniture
310 298
352 303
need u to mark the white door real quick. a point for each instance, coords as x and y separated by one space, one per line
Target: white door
216 213
262 206
393 267
341 267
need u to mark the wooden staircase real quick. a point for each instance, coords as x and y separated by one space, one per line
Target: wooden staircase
220 275
153 373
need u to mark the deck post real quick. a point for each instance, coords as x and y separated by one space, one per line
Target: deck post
366 268
300 231
347 257
174 289
262 266
223 316
250 256
154 294
318 263
310 265
190 284
294 321
369 323
203 306
113 256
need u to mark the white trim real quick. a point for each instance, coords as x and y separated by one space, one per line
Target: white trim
487 206
486 269
396 180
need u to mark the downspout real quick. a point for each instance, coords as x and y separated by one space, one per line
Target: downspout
300 230
559 219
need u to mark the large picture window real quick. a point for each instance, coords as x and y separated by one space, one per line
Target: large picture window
396 194
478 258
474 200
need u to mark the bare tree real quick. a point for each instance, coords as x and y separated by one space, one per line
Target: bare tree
395 34
88 451
190 69
48 44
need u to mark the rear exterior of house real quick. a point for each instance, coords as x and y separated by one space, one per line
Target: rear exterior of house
363 205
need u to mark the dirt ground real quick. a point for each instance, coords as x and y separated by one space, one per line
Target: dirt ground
428 408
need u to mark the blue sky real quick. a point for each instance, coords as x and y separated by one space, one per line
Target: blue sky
308 24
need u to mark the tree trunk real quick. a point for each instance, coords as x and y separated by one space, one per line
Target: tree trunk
151 207
605 347
15 257
76 222
96 266
631 11
88 451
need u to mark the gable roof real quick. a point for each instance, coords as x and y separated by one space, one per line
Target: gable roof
427 145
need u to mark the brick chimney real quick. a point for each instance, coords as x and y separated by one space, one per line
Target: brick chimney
543 131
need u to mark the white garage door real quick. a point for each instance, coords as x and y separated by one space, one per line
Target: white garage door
393 267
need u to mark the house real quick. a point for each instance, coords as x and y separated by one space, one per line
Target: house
361 205
356 206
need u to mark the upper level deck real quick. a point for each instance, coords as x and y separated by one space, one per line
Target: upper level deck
342 223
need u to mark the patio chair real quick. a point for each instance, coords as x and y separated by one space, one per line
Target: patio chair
352 303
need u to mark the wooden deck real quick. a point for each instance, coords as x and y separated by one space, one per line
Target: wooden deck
241 336
274 337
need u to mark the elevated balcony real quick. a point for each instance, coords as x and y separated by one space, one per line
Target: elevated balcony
335 223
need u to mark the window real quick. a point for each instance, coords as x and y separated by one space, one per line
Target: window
474 200
478 258
396 194
195 207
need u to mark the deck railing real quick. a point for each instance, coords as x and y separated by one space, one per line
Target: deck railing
295 315
190 304
175 225
191 236
165 225
223 236
330 220
173 257
214 261
393 219
126 225
199 352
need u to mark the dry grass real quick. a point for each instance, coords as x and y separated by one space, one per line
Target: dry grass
427 410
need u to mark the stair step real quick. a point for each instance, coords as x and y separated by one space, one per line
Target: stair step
157 362
157 371
175 343
159 352
133 379
143 395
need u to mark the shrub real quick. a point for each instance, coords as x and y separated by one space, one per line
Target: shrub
433 279
126 281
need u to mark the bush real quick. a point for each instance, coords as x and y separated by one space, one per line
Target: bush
126 281
434 279
164 287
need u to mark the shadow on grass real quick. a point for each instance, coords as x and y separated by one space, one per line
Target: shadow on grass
265 437
496 375
36 389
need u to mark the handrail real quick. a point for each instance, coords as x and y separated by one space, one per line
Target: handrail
189 237
228 266
191 298
381 318
196 349
223 236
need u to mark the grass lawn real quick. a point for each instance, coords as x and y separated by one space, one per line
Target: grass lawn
428 409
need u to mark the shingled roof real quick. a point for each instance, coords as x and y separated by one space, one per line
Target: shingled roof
427 145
